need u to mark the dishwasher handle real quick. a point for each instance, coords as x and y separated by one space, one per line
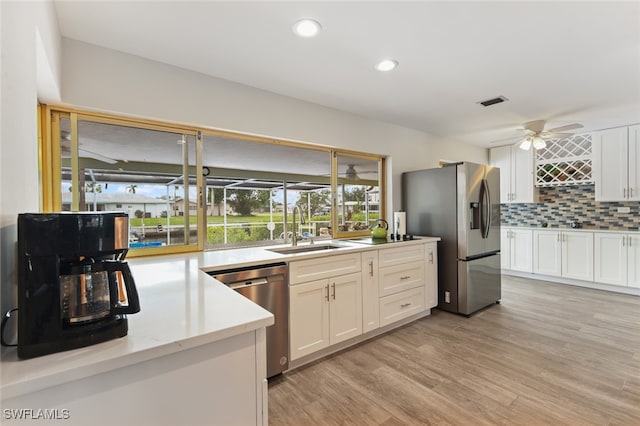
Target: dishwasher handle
248 283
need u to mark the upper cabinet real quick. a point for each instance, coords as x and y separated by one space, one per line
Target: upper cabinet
616 164
516 174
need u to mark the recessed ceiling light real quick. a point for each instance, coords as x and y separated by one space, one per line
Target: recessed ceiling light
386 65
307 28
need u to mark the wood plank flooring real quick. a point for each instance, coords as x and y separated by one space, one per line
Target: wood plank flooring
549 354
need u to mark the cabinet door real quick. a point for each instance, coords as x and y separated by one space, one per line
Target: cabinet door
634 163
308 317
547 254
370 294
521 250
505 248
577 255
610 165
431 275
633 254
501 157
522 179
345 307
610 258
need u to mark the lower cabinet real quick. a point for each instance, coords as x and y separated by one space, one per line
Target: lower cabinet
401 305
515 248
338 297
431 275
617 258
324 312
564 254
370 291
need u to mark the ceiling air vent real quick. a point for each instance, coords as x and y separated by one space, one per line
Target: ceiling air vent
493 101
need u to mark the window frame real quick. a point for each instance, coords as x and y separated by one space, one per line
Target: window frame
50 166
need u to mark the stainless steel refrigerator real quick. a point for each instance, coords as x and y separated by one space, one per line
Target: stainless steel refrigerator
461 204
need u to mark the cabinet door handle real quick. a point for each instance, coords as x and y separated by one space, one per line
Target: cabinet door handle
333 290
630 192
371 268
327 288
624 192
558 238
430 257
629 237
624 238
404 305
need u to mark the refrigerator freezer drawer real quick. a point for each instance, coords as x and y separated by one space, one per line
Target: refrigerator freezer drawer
479 283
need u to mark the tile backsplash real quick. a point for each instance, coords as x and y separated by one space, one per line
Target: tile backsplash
561 205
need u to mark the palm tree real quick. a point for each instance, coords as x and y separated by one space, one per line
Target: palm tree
132 188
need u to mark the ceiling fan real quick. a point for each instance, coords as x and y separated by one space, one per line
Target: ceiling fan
352 173
538 135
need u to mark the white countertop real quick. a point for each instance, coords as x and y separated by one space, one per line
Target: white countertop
556 228
181 307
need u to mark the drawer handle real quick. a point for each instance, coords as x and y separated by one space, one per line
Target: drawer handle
406 277
404 305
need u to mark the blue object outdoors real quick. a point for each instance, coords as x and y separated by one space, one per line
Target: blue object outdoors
145 244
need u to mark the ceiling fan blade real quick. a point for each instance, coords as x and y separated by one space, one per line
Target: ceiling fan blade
555 135
567 127
535 126
96 156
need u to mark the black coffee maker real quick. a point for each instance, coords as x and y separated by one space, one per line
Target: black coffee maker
74 288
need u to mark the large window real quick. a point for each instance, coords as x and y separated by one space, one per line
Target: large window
188 188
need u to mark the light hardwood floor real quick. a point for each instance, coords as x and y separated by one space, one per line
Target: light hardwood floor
549 354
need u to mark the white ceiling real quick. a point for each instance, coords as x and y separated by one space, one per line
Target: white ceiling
560 61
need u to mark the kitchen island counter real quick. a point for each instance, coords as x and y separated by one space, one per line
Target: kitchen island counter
183 309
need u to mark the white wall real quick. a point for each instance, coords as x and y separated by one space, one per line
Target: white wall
107 80
19 183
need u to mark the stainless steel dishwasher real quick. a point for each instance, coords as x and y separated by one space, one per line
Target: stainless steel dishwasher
268 286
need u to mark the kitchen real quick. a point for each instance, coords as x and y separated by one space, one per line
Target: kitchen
81 74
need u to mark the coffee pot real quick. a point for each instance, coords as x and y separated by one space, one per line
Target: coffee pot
74 287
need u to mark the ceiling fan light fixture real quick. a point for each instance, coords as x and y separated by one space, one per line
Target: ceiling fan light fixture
539 143
526 144
307 28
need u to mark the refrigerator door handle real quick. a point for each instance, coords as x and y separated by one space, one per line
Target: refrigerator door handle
485 209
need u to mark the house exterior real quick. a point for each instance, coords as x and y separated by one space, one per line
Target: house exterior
133 204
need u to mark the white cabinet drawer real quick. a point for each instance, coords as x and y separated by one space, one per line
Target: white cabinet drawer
401 305
399 255
401 277
323 267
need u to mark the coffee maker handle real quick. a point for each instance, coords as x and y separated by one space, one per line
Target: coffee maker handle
133 302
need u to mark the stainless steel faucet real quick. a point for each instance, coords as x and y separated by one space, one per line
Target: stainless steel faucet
294 235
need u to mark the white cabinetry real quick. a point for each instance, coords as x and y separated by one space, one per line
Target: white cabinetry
517 180
563 253
402 282
370 292
616 164
515 249
617 258
431 275
328 310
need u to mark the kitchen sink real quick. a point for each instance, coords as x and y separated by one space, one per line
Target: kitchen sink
305 249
